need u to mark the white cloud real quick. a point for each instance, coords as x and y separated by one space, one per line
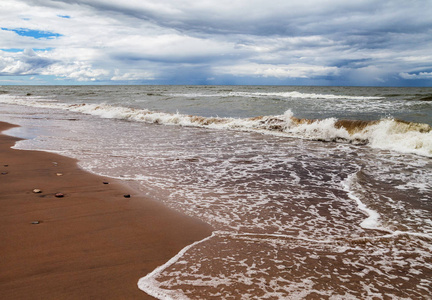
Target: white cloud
136 75
23 63
79 71
278 71
11 67
421 75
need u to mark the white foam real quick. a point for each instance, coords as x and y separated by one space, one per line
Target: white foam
401 137
407 233
149 283
373 219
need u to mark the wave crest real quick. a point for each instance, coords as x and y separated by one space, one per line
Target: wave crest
389 134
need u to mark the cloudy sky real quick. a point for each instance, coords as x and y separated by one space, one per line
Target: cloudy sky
281 42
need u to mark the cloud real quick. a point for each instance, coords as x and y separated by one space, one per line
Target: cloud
168 48
78 71
349 42
29 62
421 75
25 63
261 17
136 75
278 71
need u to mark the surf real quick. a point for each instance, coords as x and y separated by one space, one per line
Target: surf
385 134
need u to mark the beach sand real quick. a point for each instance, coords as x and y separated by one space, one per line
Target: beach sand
93 243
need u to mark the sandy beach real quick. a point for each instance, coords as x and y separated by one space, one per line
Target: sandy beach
92 243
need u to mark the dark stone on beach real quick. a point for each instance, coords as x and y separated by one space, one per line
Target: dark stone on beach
126 196
6 165
59 195
4 173
105 182
36 222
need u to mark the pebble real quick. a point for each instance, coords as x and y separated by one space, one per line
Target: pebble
59 195
36 222
37 191
105 182
4 173
59 174
126 196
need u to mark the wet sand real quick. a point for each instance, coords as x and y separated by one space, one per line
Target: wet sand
92 243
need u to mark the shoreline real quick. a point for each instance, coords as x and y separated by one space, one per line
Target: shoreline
92 243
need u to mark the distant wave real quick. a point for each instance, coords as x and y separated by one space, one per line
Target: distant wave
292 95
388 134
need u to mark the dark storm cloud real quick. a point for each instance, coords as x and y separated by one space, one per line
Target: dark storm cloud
291 18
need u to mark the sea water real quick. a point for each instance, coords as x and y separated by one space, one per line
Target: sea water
313 192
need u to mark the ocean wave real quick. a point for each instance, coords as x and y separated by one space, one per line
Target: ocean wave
426 98
290 95
386 134
299 95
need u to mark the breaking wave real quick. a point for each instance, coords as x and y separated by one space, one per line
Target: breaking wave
387 134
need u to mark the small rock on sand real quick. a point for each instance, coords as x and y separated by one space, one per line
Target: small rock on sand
36 222
105 182
37 191
59 174
126 196
59 195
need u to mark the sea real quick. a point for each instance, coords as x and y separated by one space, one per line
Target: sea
313 192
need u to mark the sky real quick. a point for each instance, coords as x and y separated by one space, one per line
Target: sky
216 42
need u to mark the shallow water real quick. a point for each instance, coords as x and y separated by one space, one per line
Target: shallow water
300 210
